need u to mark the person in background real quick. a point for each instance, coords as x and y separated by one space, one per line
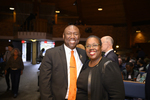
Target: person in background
80 46
100 78
6 58
107 47
141 66
147 84
120 64
40 59
1 65
129 73
40 56
147 62
16 66
56 67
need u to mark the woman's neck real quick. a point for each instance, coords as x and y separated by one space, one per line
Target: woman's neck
15 56
92 63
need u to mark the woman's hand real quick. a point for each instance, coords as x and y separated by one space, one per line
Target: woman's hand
5 72
21 72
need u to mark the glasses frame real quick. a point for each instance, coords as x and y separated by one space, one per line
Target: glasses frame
93 46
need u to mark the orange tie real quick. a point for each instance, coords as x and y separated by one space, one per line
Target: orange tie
73 78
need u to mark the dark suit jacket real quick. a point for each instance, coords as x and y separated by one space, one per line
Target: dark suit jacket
53 73
112 56
147 84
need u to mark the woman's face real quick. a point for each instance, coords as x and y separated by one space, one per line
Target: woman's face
93 48
15 53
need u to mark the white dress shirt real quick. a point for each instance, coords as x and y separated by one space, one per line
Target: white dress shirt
78 64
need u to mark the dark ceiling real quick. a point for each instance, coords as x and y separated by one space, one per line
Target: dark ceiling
115 12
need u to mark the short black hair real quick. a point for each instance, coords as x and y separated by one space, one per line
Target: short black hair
130 64
93 36
141 61
11 45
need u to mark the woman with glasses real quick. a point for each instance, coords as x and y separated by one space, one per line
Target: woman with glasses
100 78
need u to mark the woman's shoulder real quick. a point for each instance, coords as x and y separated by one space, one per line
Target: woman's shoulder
85 65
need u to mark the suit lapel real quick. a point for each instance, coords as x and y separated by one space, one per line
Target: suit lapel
63 61
80 55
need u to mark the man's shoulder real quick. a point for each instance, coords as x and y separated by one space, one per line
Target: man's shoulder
55 49
112 54
79 49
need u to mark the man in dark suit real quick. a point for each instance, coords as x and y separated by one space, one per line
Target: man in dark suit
107 47
54 69
147 84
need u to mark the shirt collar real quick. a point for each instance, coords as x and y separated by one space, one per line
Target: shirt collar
108 51
68 50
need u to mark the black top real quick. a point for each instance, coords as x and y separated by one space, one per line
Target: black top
82 84
105 84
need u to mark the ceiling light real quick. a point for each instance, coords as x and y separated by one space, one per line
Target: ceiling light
57 11
9 40
11 8
33 40
138 31
117 46
100 8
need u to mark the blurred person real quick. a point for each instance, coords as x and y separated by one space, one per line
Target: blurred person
6 58
119 56
80 46
147 62
120 64
132 61
16 66
141 66
40 56
100 78
56 71
1 65
129 73
147 84
107 47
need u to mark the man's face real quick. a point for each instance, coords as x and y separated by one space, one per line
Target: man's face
16 53
71 36
129 68
10 48
104 45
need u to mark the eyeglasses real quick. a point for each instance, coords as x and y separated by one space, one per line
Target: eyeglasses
93 46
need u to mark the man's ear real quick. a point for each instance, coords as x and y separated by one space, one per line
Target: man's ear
63 35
